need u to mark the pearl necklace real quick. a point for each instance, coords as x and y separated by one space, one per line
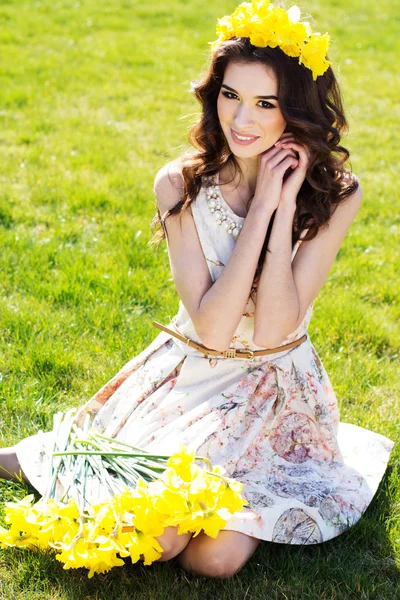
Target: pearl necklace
215 206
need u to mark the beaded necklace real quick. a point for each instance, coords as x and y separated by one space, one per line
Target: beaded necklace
215 204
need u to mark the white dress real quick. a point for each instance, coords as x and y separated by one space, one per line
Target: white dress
272 422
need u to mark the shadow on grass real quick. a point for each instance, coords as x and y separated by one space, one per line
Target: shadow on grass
360 563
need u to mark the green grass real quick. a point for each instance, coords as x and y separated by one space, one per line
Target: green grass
94 100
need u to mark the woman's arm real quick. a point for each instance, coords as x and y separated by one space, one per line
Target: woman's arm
277 305
280 307
215 308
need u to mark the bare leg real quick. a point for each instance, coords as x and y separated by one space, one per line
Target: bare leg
172 542
220 557
9 466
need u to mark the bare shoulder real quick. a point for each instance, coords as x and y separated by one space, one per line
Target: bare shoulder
348 208
168 185
355 198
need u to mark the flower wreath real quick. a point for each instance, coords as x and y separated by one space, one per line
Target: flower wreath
268 25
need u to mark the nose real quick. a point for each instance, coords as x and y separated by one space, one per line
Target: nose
243 118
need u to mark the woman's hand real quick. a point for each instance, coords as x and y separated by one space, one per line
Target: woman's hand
272 166
293 183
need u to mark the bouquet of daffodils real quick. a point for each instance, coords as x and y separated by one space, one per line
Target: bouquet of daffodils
117 499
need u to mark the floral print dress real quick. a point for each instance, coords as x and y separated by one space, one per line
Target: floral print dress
271 421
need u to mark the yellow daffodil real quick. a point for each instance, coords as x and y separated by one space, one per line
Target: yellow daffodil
230 497
268 25
183 463
99 536
314 52
139 544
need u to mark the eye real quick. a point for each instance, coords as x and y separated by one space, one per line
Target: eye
230 94
269 104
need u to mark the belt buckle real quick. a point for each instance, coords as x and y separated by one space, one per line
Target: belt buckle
251 355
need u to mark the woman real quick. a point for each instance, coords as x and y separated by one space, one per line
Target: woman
254 219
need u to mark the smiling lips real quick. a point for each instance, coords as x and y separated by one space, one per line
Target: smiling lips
243 140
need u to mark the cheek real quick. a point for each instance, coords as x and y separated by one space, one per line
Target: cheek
274 121
223 109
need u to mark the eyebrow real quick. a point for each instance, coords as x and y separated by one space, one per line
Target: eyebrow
258 97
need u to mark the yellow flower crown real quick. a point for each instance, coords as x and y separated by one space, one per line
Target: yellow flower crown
267 25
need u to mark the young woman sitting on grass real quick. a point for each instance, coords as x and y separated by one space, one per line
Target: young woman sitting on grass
254 216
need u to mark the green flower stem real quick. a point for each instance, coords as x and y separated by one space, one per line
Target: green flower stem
128 466
86 462
103 450
217 475
56 427
124 469
147 472
95 453
121 471
75 473
83 503
101 473
62 432
203 458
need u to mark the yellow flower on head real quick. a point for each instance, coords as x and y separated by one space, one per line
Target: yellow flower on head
294 14
268 25
261 7
225 28
241 19
291 38
314 52
263 37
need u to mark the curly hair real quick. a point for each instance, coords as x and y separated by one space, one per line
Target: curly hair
313 111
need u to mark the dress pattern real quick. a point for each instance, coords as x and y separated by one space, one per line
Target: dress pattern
272 422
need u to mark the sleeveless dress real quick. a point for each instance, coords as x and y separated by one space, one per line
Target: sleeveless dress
272 421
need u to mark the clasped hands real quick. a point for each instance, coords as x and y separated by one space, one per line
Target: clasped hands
274 163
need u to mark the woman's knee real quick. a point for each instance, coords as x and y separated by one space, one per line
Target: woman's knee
221 557
217 566
172 543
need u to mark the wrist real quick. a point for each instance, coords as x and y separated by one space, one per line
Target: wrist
287 206
262 208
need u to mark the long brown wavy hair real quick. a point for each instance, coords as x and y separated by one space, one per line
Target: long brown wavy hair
313 111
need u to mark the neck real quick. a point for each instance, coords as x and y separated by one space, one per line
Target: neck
248 176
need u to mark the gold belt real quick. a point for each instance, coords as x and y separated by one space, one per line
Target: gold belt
231 352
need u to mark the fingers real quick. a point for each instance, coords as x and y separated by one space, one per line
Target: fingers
280 155
287 141
274 155
285 164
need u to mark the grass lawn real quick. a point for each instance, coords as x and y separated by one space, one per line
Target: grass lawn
94 100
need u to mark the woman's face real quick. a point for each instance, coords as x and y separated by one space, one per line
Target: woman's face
245 112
